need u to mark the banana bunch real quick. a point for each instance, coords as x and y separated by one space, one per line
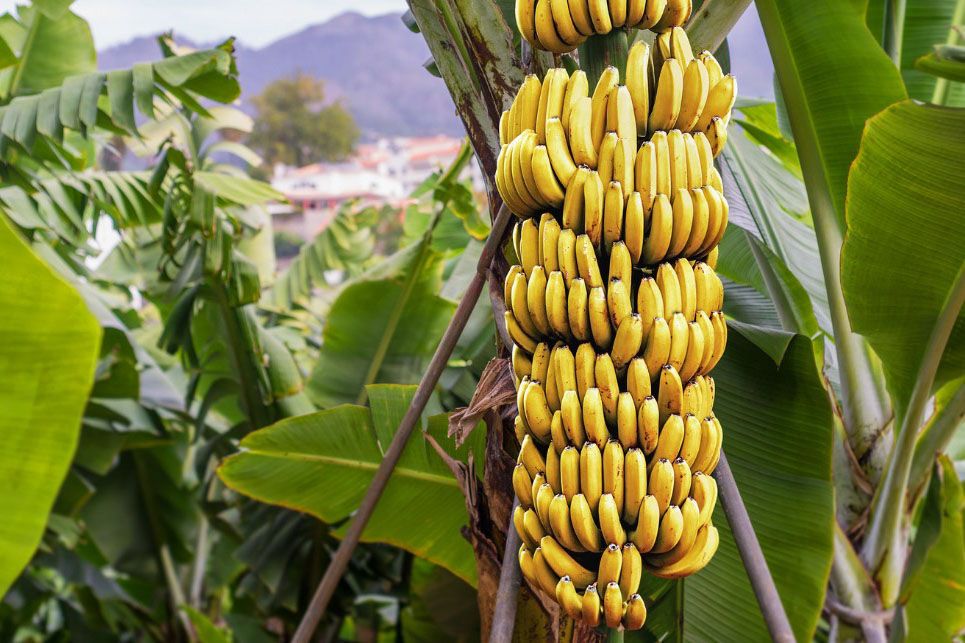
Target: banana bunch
561 26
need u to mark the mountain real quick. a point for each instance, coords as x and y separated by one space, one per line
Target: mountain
373 64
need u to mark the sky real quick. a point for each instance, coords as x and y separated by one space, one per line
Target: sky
253 22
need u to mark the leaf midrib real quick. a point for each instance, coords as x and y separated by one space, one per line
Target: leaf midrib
360 465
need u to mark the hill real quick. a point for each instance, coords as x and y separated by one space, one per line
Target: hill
373 64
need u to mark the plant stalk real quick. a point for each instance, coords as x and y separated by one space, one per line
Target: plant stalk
853 587
710 24
752 556
343 554
888 505
504 614
942 85
935 437
894 29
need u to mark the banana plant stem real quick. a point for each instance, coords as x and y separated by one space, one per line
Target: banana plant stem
504 614
888 505
942 85
753 558
336 569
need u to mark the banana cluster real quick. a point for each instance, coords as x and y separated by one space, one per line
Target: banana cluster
561 26
615 308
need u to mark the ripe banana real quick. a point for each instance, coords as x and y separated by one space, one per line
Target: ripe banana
560 522
645 174
638 381
660 484
648 523
592 604
517 333
681 485
585 369
689 516
627 342
559 443
704 548
690 446
698 230
547 186
720 101
612 223
555 302
635 484
621 263
548 579
704 493
569 472
635 614
670 531
683 221
580 12
591 475
536 301
569 599
566 255
604 165
670 439
609 387
649 303
634 227
613 479
530 457
594 419
549 38
696 89
610 525
678 160
522 484
577 310
609 80
618 301
580 132
631 571
565 370
586 262
638 84
563 564
564 23
600 16
599 319
657 243
528 251
695 353
657 350
688 288
584 525
593 196
666 102
676 14
613 605
648 424
716 132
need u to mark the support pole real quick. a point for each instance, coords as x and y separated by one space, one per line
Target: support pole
753 558
507 596
336 569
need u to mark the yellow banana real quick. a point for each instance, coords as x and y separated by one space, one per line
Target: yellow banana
548 187
522 484
720 438
584 525
610 525
652 14
635 615
695 353
532 525
690 446
530 457
695 171
600 16
661 484
638 381
613 478
541 363
634 227
537 411
676 14
581 132
618 13
670 291
520 306
704 548
716 133
627 341
638 83
657 350
649 303
612 606
693 395
543 499
536 301
696 88
593 195
565 370
708 444
679 339
522 364
666 102
591 474
553 452
624 155
678 160
671 437
688 289
631 571
548 579
621 263
707 329
609 387
599 319
609 80
566 256
504 127
618 301
704 493
698 231
604 164
715 218
559 151
627 421
645 173
671 528
680 46
528 567
569 599
648 524
556 300
518 514
572 418
620 117
573 205
517 333
528 246
577 87
688 535
551 390
560 522
524 159
570 472
714 72
549 38
705 156
720 101
714 179
585 369
681 485
592 604
612 223
586 262
580 12
528 99
648 424
610 564
594 418
635 11
564 23
526 21
683 221
577 310
720 338
635 484
548 234
657 243
514 270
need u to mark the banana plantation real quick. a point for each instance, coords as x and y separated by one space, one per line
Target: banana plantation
689 367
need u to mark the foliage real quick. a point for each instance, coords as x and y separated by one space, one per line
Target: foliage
294 125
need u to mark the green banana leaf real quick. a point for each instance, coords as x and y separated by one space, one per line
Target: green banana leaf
833 77
383 327
49 47
441 607
47 358
322 464
936 609
778 428
905 247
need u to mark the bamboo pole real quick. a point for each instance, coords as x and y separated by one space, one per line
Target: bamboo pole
336 569
510 578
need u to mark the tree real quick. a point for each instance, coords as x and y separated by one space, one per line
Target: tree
295 127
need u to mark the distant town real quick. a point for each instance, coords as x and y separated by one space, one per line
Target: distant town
383 172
